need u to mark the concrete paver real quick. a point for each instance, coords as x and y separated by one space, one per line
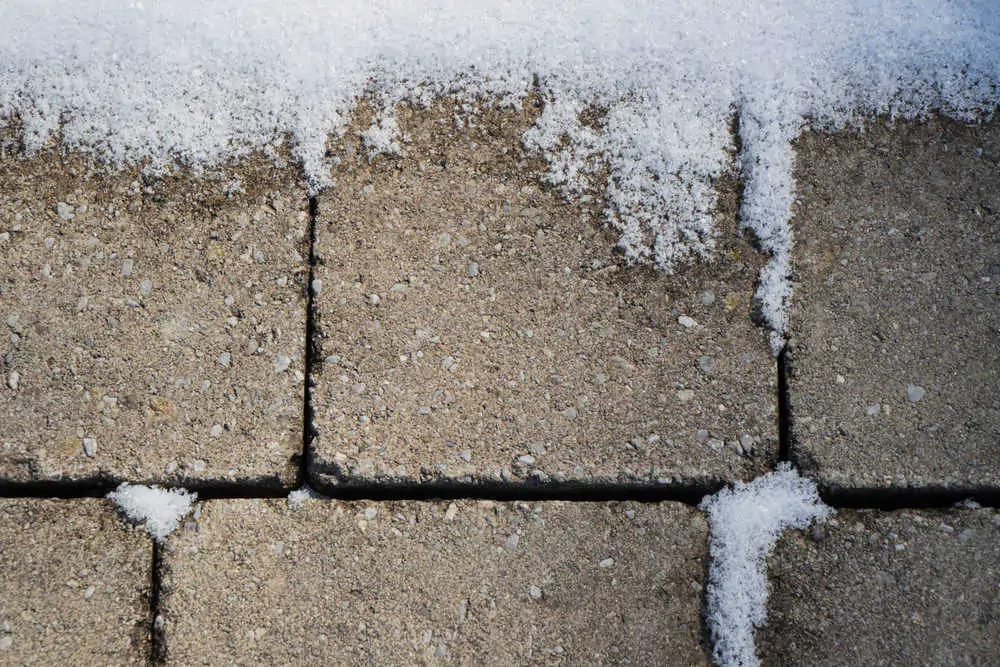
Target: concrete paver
476 329
74 584
887 588
896 322
466 582
151 333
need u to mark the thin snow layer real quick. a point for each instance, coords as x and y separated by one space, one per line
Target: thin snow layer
744 524
298 497
159 509
160 81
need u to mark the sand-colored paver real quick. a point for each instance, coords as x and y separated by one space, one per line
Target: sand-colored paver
474 329
887 588
74 584
896 322
463 582
151 331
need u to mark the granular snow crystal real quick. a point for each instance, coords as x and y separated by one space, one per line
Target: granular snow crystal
744 523
161 510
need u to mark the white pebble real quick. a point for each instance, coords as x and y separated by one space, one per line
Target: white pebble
686 322
127 267
216 431
14 380
281 363
914 393
225 359
90 446
607 562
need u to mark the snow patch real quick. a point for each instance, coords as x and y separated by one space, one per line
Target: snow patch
159 509
298 497
744 523
645 92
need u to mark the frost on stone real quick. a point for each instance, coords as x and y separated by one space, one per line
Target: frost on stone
640 98
299 496
745 522
159 509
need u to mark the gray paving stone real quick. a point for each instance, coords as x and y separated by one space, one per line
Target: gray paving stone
887 588
141 325
74 584
473 328
896 324
463 582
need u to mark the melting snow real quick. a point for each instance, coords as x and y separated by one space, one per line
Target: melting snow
159 509
200 83
744 524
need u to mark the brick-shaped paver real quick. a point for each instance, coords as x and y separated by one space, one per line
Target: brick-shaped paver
896 324
463 582
473 328
150 332
74 584
887 588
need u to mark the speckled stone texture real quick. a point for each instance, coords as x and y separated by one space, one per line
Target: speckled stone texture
74 584
896 320
887 588
463 582
473 329
151 331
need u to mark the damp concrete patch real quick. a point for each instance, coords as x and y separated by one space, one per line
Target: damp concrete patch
895 351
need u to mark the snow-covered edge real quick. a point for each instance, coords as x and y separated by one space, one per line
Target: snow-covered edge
159 509
745 522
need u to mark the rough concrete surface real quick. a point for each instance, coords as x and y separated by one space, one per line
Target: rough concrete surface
896 319
473 328
887 588
74 584
150 330
463 582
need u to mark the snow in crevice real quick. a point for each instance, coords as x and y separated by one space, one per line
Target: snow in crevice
745 522
158 509
159 83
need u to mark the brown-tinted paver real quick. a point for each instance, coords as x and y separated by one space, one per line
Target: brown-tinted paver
896 319
463 582
74 584
887 588
150 332
473 328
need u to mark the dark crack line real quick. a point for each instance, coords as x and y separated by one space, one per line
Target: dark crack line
784 409
157 645
308 413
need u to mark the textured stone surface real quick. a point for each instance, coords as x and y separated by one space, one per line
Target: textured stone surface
74 584
143 327
887 588
475 329
465 582
896 324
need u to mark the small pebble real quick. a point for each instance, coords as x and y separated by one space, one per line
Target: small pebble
64 210
606 563
90 446
707 298
216 431
873 409
466 455
535 592
472 270
127 267
14 380
281 363
706 364
914 393
146 286
317 286
527 459
686 322
685 395
224 359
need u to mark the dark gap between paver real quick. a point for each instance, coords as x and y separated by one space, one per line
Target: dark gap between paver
690 494
157 647
898 499
784 409
308 412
